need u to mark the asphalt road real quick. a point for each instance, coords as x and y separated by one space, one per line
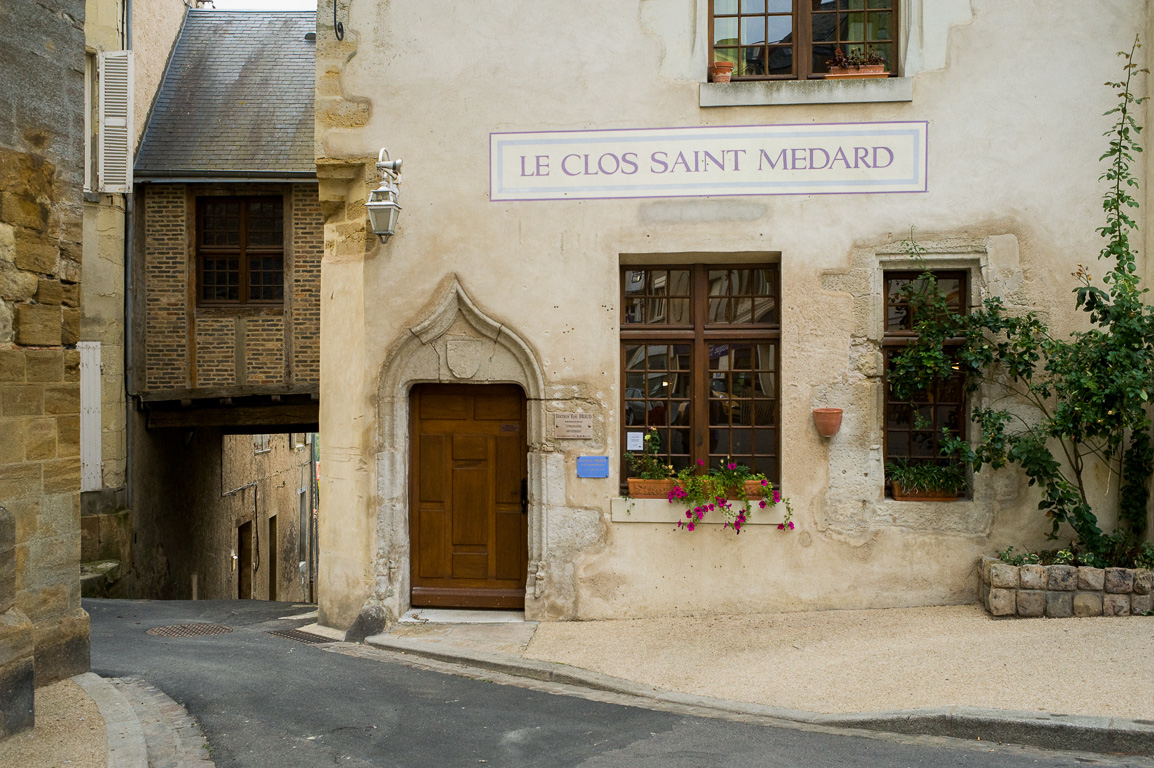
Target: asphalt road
269 702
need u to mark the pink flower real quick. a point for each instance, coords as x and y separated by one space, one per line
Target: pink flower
764 483
688 513
700 514
761 503
791 525
732 466
781 526
700 463
689 526
777 497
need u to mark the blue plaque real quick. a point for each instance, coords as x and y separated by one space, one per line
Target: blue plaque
592 466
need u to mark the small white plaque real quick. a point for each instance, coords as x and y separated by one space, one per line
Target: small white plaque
573 426
635 441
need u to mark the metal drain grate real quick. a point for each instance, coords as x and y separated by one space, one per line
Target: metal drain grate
190 630
302 637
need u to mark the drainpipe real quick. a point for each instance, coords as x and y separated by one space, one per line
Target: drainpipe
129 242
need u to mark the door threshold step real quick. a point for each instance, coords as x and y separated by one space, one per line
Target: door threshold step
461 616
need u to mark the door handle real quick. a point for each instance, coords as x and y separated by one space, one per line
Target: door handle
524 497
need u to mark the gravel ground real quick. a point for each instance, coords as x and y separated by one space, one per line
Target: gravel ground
69 732
861 661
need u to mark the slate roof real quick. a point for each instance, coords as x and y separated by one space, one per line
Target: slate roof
237 99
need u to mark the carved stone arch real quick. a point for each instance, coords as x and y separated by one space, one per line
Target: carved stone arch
453 341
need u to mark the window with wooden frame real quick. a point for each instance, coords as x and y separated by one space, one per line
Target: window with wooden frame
914 428
700 358
240 250
793 39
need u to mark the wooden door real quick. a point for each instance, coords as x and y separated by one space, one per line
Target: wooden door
468 510
244 561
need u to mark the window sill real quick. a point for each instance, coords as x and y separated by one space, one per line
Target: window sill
749 93
625 510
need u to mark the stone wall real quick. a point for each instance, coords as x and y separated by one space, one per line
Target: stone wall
41 150
262 348
1062 591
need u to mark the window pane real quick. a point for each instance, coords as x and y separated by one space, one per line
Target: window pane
780 29
879 26
781 61
753 6
752 30
780 6
725 6
725 31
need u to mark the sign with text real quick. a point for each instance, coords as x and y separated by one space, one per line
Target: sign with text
837 158
573 426
593 466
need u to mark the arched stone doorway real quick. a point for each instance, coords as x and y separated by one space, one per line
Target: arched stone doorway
454 342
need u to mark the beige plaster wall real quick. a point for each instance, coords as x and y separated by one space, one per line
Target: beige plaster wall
1012 197
155 26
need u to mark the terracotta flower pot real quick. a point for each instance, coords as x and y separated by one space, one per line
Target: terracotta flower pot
900 494
827 421
640 488
721 71
865 71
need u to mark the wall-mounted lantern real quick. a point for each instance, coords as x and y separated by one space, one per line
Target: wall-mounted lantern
383 207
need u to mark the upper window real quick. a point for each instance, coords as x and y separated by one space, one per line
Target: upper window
240 250
914 428
793 39
700 360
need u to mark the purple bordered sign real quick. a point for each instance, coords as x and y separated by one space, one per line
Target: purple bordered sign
836 158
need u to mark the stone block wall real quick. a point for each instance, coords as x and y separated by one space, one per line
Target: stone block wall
1062 591
43 630
256 348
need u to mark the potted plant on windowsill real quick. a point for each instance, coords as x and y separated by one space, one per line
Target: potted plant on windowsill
860 64
925 481
718 489
721 71
649 476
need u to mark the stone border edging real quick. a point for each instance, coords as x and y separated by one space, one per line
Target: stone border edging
1063 591
1037 729
121 726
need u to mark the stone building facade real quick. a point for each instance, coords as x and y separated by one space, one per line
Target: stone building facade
145 30
43 630
567 210
223 374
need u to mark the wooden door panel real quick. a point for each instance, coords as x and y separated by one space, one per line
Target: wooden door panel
509 473
472 497
497 406
431 458
470 448
509 541
438 405
430 551
470 543
468 565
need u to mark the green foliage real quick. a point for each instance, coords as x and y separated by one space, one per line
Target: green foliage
924 476
717 488
649 464
1080 399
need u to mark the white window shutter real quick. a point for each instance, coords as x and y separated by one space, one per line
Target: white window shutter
114 167
91 476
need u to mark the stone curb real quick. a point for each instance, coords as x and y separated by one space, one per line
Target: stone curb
171 737
1038 729
125 736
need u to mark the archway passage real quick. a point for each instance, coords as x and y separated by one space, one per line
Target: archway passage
469 496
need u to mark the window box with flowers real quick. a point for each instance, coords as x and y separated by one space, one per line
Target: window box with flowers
728 489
